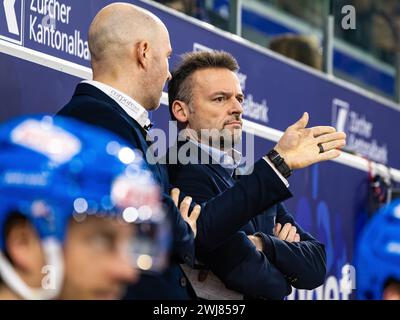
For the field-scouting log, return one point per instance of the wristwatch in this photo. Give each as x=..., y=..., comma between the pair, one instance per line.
x=279, y=163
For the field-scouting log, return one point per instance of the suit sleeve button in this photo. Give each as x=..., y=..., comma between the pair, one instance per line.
x=183, y=282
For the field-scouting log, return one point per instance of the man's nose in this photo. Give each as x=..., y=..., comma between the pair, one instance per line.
x=169, y=76
x=236, y=108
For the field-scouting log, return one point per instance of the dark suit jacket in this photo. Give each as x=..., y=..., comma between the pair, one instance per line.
x=236, y=261
x=220, y=217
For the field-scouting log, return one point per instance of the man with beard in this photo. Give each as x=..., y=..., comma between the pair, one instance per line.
x=271, y=252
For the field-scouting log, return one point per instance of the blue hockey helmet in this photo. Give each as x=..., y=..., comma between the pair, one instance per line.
x=55, y=169
x=377, y=256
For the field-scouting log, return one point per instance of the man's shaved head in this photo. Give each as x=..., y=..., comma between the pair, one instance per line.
x=130, y=48
x=116, y=27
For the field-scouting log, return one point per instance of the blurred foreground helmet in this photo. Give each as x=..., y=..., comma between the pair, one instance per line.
x=55, y=169
x=378, y=253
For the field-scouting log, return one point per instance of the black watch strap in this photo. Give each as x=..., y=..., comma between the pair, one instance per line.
x=279, y=163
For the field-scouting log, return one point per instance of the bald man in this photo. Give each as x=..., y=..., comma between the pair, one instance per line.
x=130, y=48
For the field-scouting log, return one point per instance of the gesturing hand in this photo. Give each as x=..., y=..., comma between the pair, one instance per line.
x=299, y=145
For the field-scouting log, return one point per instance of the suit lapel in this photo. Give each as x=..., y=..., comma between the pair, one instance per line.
x=216, y=168
x=222, y=173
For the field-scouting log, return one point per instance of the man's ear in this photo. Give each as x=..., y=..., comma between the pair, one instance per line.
x=142, y=52
x=180, y=110
x=24, y=249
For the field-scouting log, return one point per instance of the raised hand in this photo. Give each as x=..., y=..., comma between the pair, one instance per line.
x=299, y=146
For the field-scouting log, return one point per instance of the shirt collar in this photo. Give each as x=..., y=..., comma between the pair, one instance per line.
x=229, y=159
x=130, y=106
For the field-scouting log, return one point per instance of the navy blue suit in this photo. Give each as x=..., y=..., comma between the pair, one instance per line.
x=236, y=261
x=220, y=217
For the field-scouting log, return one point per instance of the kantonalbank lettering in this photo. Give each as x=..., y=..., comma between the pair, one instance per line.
x=48, y=26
